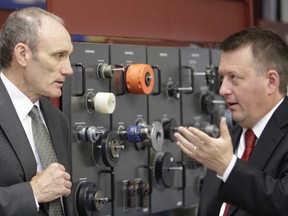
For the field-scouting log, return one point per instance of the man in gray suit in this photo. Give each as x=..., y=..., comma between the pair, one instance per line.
x=254, y=71
x=34, y=55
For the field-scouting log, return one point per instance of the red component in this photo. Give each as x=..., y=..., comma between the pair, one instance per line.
x=139, y=79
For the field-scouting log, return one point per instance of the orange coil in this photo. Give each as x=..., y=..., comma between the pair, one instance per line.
x=140, y=79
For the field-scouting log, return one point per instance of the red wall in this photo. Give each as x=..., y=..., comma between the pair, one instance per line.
x=180, y=20
x=3, y=16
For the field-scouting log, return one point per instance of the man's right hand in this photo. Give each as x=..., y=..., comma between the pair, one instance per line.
x=51, y=184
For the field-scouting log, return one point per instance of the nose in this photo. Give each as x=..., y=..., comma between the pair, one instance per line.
x=67, y=68
x=224, y=88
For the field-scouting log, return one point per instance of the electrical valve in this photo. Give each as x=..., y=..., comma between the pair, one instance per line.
x=106, y=145
x=143, y=134
x=143, y=192
x=89, y=201
x=88, y=133
x=103, y=102
x=212, y=78
x=135, y=194
x=106, y=71
x=169, y=126
x=208, y=102
x=138, y=79
x=173, y=90
x=164, y=167
x=107, y=149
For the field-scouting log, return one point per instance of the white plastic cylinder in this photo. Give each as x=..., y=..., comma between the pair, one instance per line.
x=104, y=102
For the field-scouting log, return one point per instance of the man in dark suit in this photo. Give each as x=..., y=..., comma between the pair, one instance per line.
x=34, y=55
x=254, y=68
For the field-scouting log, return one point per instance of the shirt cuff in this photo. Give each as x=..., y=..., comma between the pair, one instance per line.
x=37, y=204
x=228, y=170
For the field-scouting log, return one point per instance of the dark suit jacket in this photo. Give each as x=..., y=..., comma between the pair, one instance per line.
x=259, y=187
x=17, y=162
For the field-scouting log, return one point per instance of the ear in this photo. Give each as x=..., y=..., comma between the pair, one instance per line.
x=273, y=81
x=22, y=53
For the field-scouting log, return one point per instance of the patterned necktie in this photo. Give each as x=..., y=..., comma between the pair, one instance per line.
x=250, y=139
x=46, y=152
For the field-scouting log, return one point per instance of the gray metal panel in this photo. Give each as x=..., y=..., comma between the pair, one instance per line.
x=215, y=57
x=136, y=163
x=84, y=168
x=162, y=107
x=198, y=59
x=130, y=107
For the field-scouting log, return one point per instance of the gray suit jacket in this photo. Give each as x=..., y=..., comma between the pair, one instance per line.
x=259, y=187
x=17, y=162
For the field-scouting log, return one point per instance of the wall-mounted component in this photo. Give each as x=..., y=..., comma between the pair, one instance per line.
x=102, y=102
x=173, y=90
x=103, y=71
x=106, y=71
x=164, y=167
x=89, y=133
x=143, y=191
x=158, y=74
x=106, y=151
x=212, y=78
x=89, y=201
x=83, y=78
x=143, y=134
x=106, y=145
x=129, y=194
x=208, y=102
x=87, y=128
x=169, y=126
x=207, y=127
x=135, y=194
x=139, y=79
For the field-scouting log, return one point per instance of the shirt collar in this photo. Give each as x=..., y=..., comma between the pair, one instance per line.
x=21, y=102
x=259, y=127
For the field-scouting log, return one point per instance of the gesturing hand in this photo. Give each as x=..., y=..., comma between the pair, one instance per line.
x=213, y=153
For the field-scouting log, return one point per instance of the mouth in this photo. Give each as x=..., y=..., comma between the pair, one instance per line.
x=59, y=83
x=231, y=104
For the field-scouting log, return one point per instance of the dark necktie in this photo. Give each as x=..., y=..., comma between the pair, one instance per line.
x=250, y=139
x=46, y=152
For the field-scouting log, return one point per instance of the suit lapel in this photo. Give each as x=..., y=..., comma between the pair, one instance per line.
x=265, y=146
x=15, y=133
x=270, y=137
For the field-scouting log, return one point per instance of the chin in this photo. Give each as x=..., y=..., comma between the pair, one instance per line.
x=55, y=94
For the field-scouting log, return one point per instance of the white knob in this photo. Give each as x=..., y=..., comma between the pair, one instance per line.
x=104, y=102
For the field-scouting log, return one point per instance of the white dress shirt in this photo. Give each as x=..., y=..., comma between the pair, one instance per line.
x=23, y=105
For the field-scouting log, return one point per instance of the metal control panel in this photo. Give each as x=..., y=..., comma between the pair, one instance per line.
x=164, y=107
x=124, y=103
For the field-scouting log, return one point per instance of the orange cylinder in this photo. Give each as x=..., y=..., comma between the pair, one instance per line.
x=139, y=79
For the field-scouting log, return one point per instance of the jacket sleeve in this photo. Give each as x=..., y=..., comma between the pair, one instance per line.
x=17, y=200
x=259, y=192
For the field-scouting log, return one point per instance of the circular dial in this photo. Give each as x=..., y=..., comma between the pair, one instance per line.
x=163, y=174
